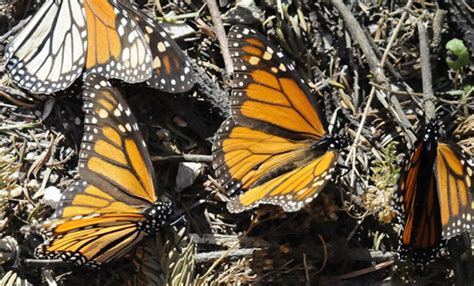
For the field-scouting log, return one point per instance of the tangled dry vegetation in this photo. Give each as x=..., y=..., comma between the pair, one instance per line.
x=348, y=235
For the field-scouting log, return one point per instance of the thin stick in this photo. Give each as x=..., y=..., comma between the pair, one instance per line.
x=220, y=34
x=306, y=272
x=356, y=31
x=438, y=22
x=325, y=260
x=395, y=34
x=19, y=126
x=232, y=255
x=15, y=29
x=353, y=150
x=219, y=260
x=184, y=158
x=430, y=110
x=396, y=92
x=47, y=262
x=381, y=65
x=361, y=271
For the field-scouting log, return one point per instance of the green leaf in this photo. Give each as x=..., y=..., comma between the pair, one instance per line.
x=457, y=54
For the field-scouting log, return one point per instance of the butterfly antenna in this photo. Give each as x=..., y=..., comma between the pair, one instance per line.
x=179, y=222
x=344, y=167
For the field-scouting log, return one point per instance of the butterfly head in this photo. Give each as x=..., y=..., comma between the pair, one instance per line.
x=432, y=131
x=338, y=141
x=331, y=142
x=157, y=215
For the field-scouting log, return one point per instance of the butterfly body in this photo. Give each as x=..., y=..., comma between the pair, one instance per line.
x=275, y=148
x=109, y=37
x=114, y=205
x=437, y=188
x=157, y=215
x=329, y=142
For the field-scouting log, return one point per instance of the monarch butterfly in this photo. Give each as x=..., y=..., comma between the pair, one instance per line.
x=437, y=187
x=109, y=37
x=275, y=148
x=114, y=205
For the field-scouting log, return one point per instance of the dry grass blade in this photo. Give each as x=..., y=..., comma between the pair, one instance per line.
x=178, y=265
x=169, y=263
x=465, y=130
x=11, y=278
x=9, y=173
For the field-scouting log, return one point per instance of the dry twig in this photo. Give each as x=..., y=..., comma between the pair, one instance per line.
x=221, y=35
x=428, y=97
x=356, y=31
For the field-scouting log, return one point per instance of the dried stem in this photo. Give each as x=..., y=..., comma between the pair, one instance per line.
x=395, y=34
x=430, y=111
x=184, y=158
x=234, y=254
x=356, y=31
x=221, y=35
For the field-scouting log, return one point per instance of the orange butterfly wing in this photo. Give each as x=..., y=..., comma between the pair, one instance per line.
x=422, y=228
x=113, y=153
x=268, y=93
x=90, y=227
x=116, y=48
x=454, y=181
x=172, y=71
x=269, y=148
x=437, y=189
x=113, y=206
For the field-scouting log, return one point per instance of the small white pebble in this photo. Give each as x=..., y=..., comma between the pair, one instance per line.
x=52, y=196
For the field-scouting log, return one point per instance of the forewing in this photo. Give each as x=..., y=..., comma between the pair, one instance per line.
x=113, y=154
x=267, y=92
